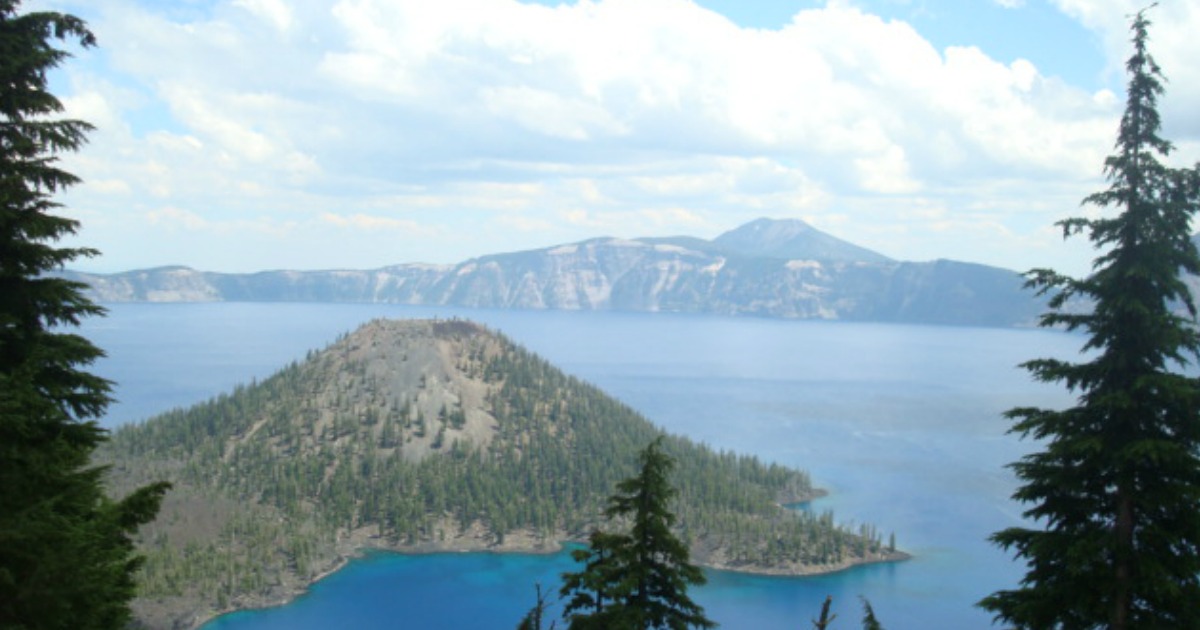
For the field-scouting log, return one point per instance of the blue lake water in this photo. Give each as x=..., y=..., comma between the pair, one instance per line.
x=902, y=424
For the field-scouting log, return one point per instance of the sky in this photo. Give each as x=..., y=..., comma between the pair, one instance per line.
x=247, y=135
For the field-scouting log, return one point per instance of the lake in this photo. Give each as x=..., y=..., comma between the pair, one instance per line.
x=902, y=424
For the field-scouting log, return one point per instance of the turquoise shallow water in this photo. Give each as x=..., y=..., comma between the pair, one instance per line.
x=482, y=591
x=901, y=423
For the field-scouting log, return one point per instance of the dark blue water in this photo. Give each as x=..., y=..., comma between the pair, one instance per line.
x=901, y=423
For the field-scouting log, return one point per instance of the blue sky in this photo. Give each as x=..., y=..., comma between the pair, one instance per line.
x=241, y=135
x=1038, y=31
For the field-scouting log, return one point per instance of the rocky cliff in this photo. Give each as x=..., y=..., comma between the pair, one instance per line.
x=765, y=268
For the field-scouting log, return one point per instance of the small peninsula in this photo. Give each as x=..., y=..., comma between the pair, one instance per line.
x=424, y=436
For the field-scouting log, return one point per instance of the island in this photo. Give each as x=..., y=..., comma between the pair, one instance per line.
x=423, y=436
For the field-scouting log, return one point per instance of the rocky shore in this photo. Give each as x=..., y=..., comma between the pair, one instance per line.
x=187, y=614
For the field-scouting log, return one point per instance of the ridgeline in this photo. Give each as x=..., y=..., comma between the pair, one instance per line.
x=424, y=436
x=765, y=268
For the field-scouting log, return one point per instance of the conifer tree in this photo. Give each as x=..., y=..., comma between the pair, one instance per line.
x=1115, y=492
x=66, y=556
x=639, y=579
x=870, y=621
x=594, y=589
x=533, y=619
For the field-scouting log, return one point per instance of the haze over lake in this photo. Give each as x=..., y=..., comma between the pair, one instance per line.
x=902, y=424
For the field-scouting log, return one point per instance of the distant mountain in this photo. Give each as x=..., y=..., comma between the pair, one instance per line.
x=423, y=436
x=793, y=240
x=765, y=268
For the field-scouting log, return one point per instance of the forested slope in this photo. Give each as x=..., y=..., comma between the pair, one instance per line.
x=424, y=435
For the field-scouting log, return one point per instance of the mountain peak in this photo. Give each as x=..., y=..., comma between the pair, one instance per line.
x=793, y=239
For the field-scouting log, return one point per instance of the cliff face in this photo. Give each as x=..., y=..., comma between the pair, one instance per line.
x=766, y=268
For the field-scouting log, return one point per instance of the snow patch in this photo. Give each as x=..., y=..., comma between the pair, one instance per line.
x=671, y=249
x=421, y=267
x=794, y=265
x=621, y=242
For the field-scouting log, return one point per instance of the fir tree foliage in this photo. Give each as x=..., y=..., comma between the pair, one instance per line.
x=637, y=579
x=1115, y=491
x=870, y=621
x=826, y=618
x=593, y=589
x=66, y=556
x=533, y=619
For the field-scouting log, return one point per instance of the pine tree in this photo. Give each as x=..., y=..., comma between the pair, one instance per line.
x=638, y=579
x=66, y=557
x=822, y=622
x=594, y=589
x=870, y=621
x=533, y=619
x=1117, y=486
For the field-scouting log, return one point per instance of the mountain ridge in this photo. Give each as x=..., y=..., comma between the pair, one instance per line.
x=767, y=268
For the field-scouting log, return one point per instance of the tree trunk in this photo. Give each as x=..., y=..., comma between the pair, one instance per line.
x=1123, y=560
x=826, y=619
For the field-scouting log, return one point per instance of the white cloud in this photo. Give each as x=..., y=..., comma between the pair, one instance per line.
x=108, y=186
x=190, y=106
x=549, y=114
x=525, y=224
x=92, y=106
x=361, y=221
x=1172, y=42
x=509, y=125
x=274, y=12
x=886, y=172
x=176, y=217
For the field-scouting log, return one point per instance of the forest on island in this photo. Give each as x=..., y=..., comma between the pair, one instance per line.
x=287, y=467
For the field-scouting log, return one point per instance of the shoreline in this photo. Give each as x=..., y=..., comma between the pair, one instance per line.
x=473, y=540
